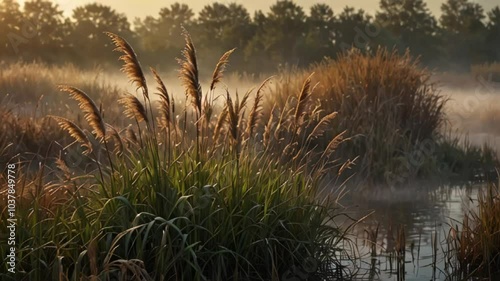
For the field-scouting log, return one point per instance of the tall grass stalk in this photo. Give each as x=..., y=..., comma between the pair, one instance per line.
x=474, y=246
x=157, y=212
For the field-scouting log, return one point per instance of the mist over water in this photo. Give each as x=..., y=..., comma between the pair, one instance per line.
x=474, y=112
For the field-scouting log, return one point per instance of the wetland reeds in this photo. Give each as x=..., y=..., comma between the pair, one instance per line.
x=164, y=209
x=474, y=246
x=384, y=100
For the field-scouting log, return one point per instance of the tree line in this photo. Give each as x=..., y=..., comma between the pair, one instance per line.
x=465, y=34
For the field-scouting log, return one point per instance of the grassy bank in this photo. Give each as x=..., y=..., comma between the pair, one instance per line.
x=216, y=185
x=394, y=114
x=390, y=108
x=29, y=94
x=186, y=193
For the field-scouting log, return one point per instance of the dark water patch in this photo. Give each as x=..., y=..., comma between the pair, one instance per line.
x=403, y=236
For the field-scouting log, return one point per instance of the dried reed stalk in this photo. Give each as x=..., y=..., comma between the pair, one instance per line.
x=323, y=125
x=254, y=116
x=267, y=129
x=304, y=95
x=219, y=69
x=117, y=140
x=220, y=123
x=164, y=102
x=134, y=108
x=131, y=65
x=189, y=72
x=74, y=131
x=232, y=119
x=131, y=136
x=87, y=105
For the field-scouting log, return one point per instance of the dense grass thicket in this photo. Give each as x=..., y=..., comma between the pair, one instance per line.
x=199, y=197
x=474, y=246
x=29, y=94
x=217, y=185
x=490, y=71
x=394, y=116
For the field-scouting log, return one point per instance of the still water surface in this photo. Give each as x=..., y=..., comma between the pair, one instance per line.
x=423, y=211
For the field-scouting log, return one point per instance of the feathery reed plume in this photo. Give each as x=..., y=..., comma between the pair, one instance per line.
x=322, y=126
x=219, y=68
x=173, y=107
x=254, y=115
x=189, y=72
x=334, y=143
x=304, y=95
x=61, y=165
x=347, y=165
x=131, y=136
x=131, y=65
x=164, y=102
x=232, y=117
x=87, y=105
x=134, y=108
x=207, y=109
x=117, y=139
x=74, y=131
x=220, y=123
x=267, y=129
x=241, y=104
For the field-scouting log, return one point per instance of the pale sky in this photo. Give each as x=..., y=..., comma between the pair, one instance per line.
x=142, y=8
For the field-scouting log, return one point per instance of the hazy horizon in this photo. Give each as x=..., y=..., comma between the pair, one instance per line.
x=134, y=8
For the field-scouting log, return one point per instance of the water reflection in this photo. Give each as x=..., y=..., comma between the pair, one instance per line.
x=423, y=211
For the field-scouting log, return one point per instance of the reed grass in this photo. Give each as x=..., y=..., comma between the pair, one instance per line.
x=389, y=106
x=166, y=205
x=474, y=246
x=488, y=71
x=29, y=93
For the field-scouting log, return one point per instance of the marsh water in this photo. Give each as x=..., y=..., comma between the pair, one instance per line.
x=423, y=211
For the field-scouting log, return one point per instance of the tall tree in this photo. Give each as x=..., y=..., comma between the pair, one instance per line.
x=320, y=38
x=284, y=32
x=464, y=32
x=13, y=34
x=410, y=24
x=161, y=37
x=89, y=24
x=46, y=20
x=493, y=34
x=461, y=16
x=354, y=29
x=170, y=23
x=256, y=59
x=222, y=27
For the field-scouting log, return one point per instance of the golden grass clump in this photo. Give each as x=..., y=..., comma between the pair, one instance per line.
x=218, y=205
x=384, y=100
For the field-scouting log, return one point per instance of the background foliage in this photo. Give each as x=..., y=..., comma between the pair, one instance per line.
x=463, y=35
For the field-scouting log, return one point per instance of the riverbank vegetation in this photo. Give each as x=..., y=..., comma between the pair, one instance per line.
x=213, y=184
x=197, y=197
x=474, y=244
